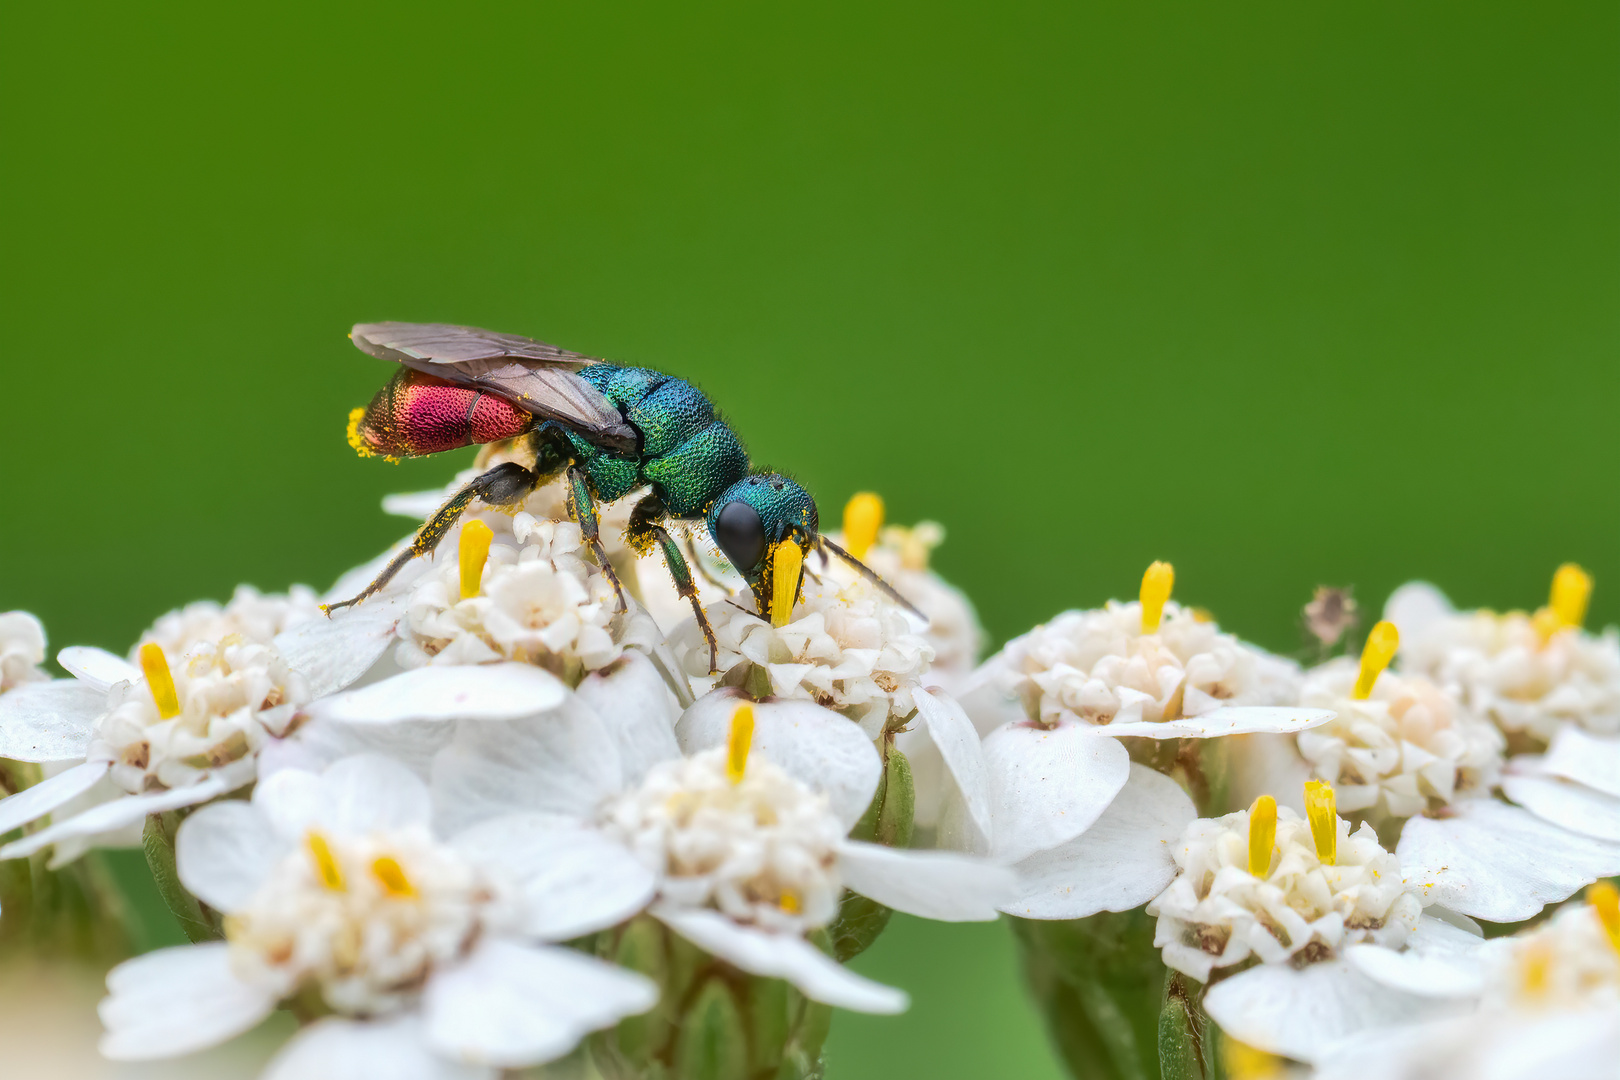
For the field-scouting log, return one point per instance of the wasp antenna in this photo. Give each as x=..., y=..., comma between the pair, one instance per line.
x=870, y=575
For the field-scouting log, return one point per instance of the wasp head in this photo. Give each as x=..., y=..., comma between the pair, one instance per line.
x=766, y=524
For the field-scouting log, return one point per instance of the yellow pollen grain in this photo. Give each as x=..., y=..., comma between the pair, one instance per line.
x=1156, y=585
x=1571, y=590
x=787, y=560
x=1262, y=835
x=1321, y=809
x=863, y=518
x=475, y=540
x=1605, y=900
x=159, y=681
x=1375, y=657
x=355, y=439
x=326, y=864
x=391, y=876
x=739, y=742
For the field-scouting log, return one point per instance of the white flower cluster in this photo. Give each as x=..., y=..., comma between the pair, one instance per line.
x=22, y=650
x=249, y=616
x=1300, y=910
x=1571, y=961
x=540, y=603
x=1406, y=749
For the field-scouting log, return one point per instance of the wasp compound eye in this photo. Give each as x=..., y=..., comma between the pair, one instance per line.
x=741, y=535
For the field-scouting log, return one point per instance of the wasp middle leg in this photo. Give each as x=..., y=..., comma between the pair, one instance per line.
x=646, y=529
x=583, y=505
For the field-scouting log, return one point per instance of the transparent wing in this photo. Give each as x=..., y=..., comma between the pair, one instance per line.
x=533, y=375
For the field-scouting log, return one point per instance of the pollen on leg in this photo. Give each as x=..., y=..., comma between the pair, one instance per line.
x=356, y=440
x=474, y=551
x=159, y=680
x=1382, y=642
x=1262, y=835
x=1156, y=585
x=863, y=519
x=326, y=864
x=1321, y=809
x=739, y=742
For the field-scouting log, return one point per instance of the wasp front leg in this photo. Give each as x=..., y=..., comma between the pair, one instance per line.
x=644, y=531
x=583, y=506
x=503, y=485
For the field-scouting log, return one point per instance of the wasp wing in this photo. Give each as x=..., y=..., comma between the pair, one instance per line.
x=533, y=375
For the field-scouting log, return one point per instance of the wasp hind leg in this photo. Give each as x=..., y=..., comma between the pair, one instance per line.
x=503, y=485
x=646, y=530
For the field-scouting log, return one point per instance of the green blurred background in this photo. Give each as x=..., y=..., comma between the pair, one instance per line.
x=1287, y=294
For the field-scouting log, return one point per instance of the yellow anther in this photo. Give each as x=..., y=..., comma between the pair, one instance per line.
x=1262, y=835
x=475, y=538
x=1156, y=586
x=1244, y=1062
x=1321, y=809
x=1535, y=964
x=1375, y=657
x=863, y=517
x=1571, y=589
x=159, y=681
x=787, y=560
x=1606, y=902
x=739, y=742
x=326, y=864
x=391, y=876
x=789, y=902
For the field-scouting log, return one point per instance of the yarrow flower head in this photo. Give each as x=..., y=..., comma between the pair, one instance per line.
x=250, y=616
x=1530, y=674
x=1402, y=746
x=335, y=887
x=22, y=650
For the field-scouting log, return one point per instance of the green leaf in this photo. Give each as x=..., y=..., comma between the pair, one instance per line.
x=712, y=1044
x=199, y=922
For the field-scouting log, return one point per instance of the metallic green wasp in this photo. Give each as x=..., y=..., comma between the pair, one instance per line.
x=609, y=430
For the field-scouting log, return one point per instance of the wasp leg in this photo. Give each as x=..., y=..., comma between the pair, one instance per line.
x=689, y=548
x=506, y=483
x=583, y=505
x=643, y=532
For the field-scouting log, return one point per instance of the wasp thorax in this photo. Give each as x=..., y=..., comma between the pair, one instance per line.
x=418, y=414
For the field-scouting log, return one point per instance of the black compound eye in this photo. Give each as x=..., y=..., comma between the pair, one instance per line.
x=740, y=534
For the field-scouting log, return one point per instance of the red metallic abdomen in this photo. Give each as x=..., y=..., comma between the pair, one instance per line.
x=418, y=414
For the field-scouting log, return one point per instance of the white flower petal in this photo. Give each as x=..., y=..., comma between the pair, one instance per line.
x=1416, y=607
x=1439, y=960
x=1299, y=1013
x=1498, y=862
x=782, y=956
x=1573, y=806
x=334, y=652
x=814, y=745
x=289, y=801
x=933, y=884
x=562, y=762
x=953, y=733
x=97, y=668
x=513, y=1005
x=49, y=721
x=370, y=793
x=116, y=814
x=574, y=879
x=318, y=743
x=1121, y=862
x=983, y=700
x=33, y=803
x=175, y=1001
x=639, y=711
x=1048, y=785
x=1234, y=720
x=224, y=851
x=1592, y=760
x=394, y=1048
x=505, y=691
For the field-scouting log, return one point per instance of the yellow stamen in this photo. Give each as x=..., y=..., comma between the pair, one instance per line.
x=1571, y=589
x=1605, y=900
x=1375, y=657
x=1321, y=809
x=863, y=517
x=739, y=742
x=789, y=902
x=159, y=681
x=1244, y=1062
x=1262, y=835
x=391, y=876
x=326, y=864
x=787, y=559
x=475, y=538
x=1156, y=585
x=1535, y=962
